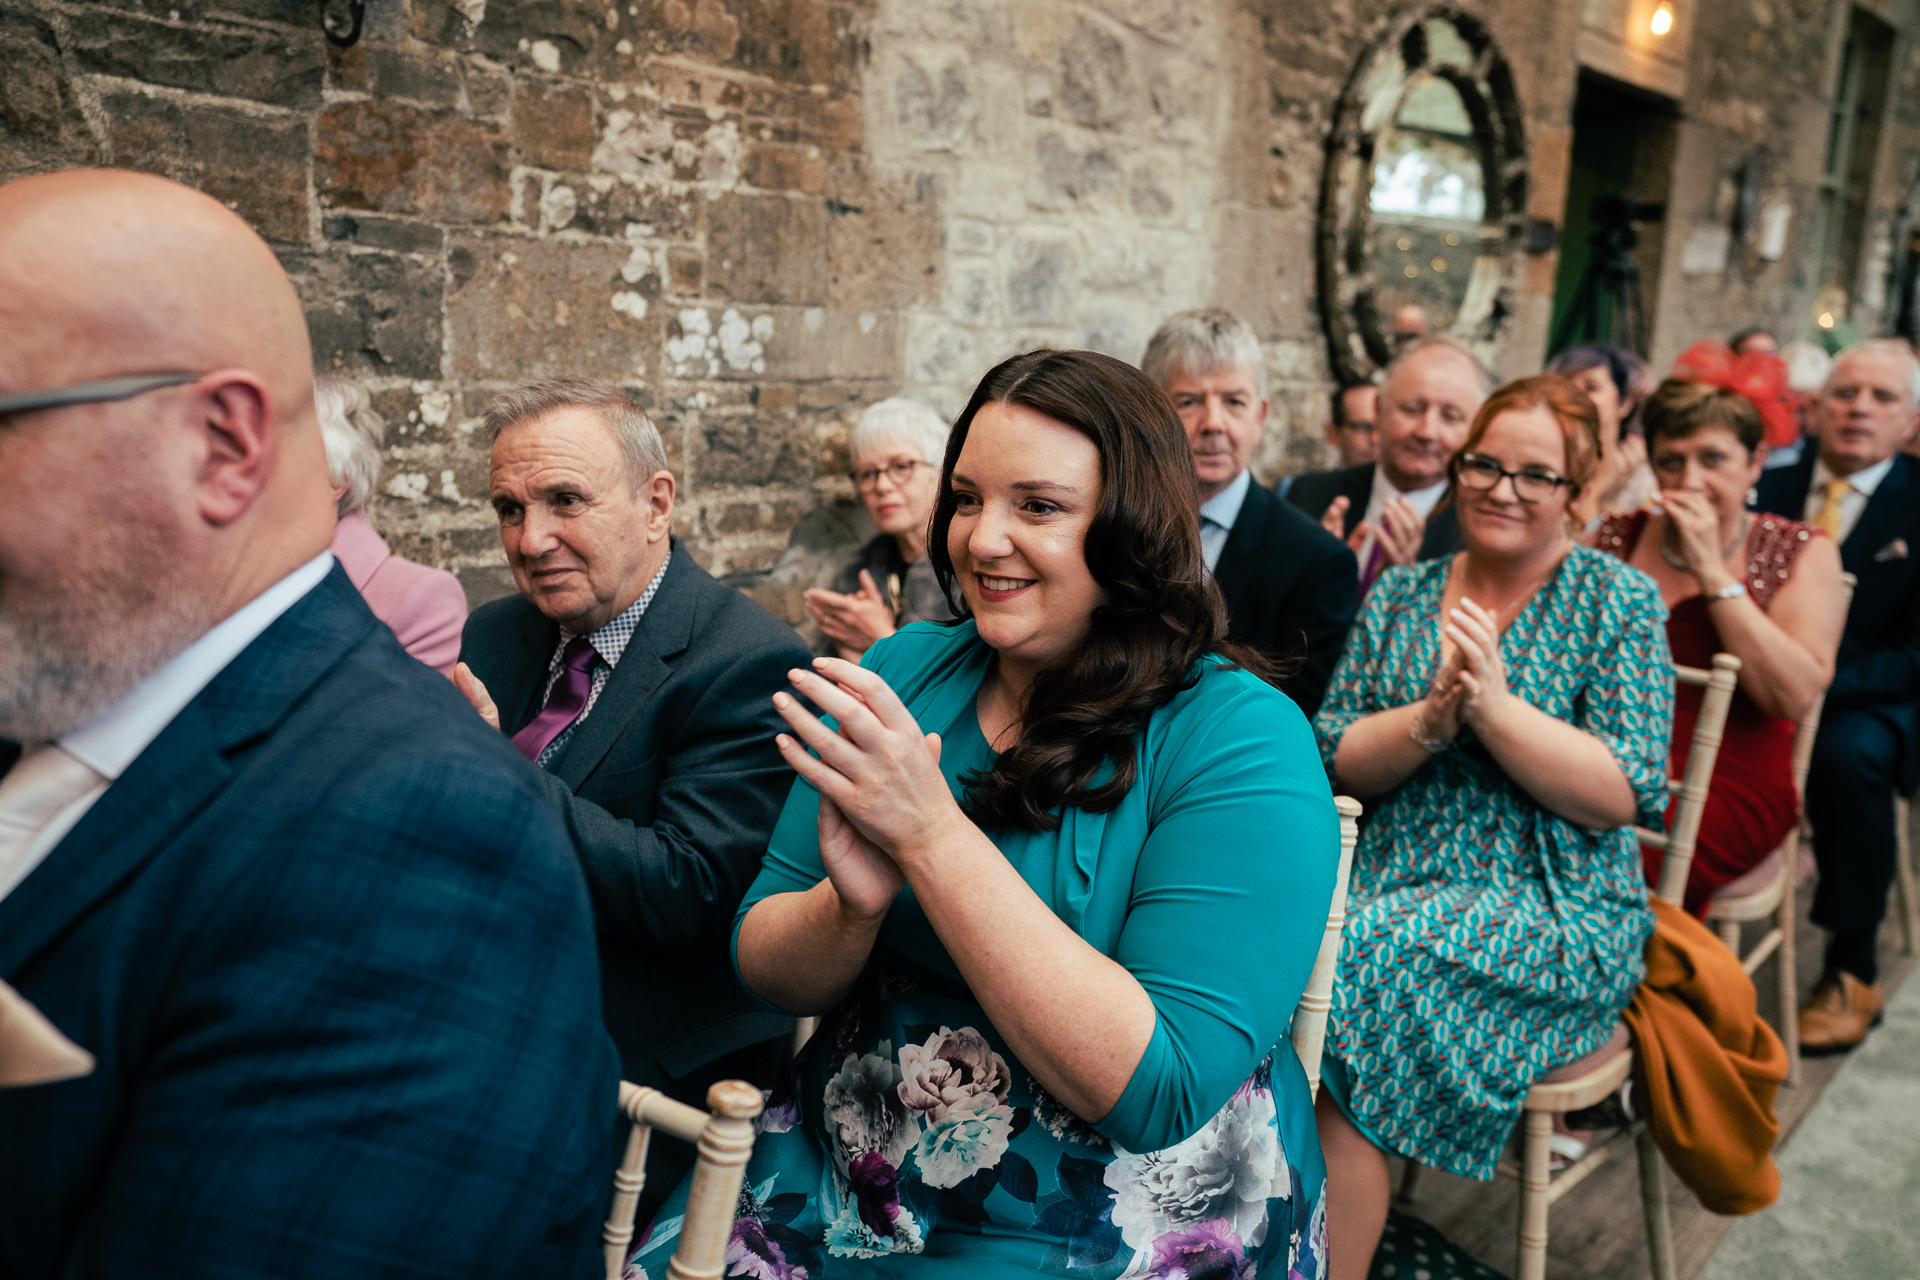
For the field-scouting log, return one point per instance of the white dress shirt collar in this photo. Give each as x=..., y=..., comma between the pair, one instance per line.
x=1863, y=482
x=1217, y=515
x=1853, y=499
x=1223, y=508
x=1423, y=500
x=114, y=739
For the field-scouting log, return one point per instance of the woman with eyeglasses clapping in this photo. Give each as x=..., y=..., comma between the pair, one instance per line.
x=896, y=452
x=1503, y=713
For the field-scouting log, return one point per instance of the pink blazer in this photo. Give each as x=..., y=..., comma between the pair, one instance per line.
x=427, y=608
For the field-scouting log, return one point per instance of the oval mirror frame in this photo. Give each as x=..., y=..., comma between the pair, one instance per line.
x=1357, y=341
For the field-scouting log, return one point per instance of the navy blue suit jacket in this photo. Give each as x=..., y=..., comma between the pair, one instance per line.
x=334, y=957
x=1291, y=590
x=670, y=789
x=1879, y=661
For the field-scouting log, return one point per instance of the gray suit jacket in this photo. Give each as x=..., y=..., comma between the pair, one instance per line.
x=670, y=789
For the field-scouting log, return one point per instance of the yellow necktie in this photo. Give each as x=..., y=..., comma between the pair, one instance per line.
x=1827, y=519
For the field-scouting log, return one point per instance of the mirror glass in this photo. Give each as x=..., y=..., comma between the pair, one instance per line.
x=1428, y=202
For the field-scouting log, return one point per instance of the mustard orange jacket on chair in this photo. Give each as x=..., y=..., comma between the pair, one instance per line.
x=1709, y=1066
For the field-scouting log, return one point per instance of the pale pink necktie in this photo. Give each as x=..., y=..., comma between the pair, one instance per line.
x=42, y=782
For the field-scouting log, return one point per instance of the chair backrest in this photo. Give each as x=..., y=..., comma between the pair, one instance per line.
x=1707, y=732
x=1810, y=723
x=723, y=1139
x=1310, y=1015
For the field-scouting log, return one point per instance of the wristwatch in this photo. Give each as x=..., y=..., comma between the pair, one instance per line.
x=1733, y=590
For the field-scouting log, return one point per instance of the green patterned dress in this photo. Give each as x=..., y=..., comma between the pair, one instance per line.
x=1488, y=940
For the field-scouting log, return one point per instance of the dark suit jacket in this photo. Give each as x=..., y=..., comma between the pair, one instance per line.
x=1879, y=661
x=1291, y=589
x=670, y=788
x=331, y=951
x=1315, y=491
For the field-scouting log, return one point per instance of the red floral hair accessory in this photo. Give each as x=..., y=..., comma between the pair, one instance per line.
x=1760, y=376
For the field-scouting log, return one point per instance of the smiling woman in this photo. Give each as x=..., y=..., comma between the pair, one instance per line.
x=1054, y=874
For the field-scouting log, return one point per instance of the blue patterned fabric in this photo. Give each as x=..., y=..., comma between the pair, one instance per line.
x=910, y=1141
x=1488, y=940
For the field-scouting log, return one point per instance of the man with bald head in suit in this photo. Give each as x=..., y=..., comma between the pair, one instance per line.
x=325, y=943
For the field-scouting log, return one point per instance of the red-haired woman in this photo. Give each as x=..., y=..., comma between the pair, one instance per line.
x=1504, y=713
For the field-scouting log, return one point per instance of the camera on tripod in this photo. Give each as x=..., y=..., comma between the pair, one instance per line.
x=1606, y=306
x=1616, y=212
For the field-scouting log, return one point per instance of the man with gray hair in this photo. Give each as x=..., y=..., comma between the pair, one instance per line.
x=644, y=691
x=1289, y=586
x=1856, y=486
x=1385, y=509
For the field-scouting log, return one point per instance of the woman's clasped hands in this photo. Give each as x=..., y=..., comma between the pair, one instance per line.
x=1472, y=684
x=883, y=800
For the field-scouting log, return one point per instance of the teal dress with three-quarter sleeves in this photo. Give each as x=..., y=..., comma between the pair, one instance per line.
x=1489, y=940
x=910, y=1141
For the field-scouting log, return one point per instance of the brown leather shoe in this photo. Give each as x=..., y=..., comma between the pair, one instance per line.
x=1838, y=1016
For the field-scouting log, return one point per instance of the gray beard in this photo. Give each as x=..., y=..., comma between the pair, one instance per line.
x=71, y=655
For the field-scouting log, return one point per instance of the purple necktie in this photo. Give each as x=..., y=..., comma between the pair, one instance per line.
x=1373, y=568
x=564, y=703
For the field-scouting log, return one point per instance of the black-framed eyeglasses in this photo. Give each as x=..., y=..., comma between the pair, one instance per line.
x=1478, y=472
x=103, y=392
x=899, y=471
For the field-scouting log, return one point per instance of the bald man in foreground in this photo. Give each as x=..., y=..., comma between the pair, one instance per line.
x=328, y=947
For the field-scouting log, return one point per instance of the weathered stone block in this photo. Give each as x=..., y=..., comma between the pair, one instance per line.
x=395, y=235
x=784, y=168
x=370, y=314
x=777, y=515
x=938, y=351
x=397, y=158
x=767, y=249
x=40, y=124
x=257, y=168
x=886, y=252
x=285, y=13
x=607, y=206
x=932, y=107
x=750, y=343
x=1096, y=82
x=552, y=124
x=284, y=69
x=1069, y=177
x=538, y=308
x=434, y=79
x=747, y=448
x=1039, y=279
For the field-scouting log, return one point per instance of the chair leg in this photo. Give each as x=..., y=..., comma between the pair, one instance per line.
x=1786, y=972
x=1653, y=1198
x=1903, y=891
x=1534, y=1181
x=1729, y=931
x=1409, y=1181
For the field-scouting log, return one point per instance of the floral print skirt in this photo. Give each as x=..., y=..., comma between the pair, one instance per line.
x=907, y=1141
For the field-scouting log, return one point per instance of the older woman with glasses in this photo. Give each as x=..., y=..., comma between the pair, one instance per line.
x=1504, y=714
x=896, y=453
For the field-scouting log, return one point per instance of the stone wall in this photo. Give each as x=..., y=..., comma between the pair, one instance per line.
x=765, y=214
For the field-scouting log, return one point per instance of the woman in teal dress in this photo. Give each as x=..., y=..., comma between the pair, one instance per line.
x=1055, y=877
x=1504, y=714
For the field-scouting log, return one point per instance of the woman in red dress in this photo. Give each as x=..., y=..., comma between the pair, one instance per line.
x=1763, y=588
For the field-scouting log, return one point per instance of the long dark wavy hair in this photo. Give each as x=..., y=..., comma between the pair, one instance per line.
x=1163, y=613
